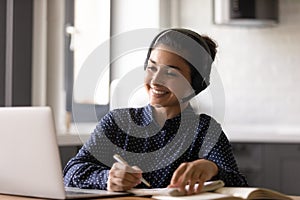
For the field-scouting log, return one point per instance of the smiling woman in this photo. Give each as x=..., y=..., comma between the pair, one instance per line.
x=171, y=144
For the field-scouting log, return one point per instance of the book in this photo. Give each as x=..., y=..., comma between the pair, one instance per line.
x=234, y=193
x=253, y=193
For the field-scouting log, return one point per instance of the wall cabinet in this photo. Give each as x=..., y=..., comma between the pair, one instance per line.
x=283, y=160
x=270, y=165
x=67, y=152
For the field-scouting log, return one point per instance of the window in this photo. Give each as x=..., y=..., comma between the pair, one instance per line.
x=87, y=27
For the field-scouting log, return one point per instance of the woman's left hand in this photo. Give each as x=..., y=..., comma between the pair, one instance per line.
x=190, y=173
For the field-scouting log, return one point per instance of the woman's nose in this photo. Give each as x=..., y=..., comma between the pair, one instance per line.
x=158, y=78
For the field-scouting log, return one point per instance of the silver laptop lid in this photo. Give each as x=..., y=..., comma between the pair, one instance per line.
x=30, y=162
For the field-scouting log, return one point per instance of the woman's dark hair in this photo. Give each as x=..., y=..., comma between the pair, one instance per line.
x=198, y=51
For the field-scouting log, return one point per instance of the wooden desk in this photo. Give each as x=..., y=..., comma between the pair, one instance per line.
x=10, y=197
x=295, y=197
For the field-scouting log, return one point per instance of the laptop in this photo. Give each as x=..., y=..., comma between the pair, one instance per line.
x=29, y=156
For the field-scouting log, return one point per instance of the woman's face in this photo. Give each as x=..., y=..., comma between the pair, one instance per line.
x=167, y=79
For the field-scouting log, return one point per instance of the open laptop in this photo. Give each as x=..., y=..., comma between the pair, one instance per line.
x=29, y=156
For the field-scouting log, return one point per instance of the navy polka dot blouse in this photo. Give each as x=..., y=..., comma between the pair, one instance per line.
x=158, y=151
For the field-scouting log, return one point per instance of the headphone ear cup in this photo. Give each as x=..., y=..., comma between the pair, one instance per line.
x=198, y=82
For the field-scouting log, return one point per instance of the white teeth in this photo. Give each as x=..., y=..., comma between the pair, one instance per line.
x=158, y=92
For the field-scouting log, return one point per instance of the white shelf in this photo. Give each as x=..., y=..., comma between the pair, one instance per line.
x=263, y=134
x=69, y=139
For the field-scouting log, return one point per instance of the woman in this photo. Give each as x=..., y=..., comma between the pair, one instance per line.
x=172, y=145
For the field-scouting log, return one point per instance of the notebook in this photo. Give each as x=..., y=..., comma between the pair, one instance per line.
x=30, y=160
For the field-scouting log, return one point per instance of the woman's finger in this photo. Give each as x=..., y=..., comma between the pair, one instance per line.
x=121, y=177
x=192, y=181
x=178, y=174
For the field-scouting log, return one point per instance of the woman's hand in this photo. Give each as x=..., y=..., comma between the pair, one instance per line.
x=122, y=178
x=191, y=173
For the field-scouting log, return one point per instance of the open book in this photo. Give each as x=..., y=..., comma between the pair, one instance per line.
x=214, y=190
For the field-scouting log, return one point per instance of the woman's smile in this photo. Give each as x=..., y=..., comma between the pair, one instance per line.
x=158, y=92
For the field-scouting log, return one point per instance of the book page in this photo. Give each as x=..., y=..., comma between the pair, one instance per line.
x=252, y=193
x=201, y=196
x=236, y=191
x=267, y=193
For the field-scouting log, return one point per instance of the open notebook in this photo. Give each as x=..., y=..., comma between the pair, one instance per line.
x=208, y=186
x=30, y=161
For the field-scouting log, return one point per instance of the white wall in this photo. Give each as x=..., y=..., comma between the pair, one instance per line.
x=259, y=67
x=134, y=23
x=128, y=15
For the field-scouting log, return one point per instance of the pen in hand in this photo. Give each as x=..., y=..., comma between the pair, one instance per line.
x=122, y=161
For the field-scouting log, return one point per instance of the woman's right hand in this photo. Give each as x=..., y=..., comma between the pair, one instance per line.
x=122, y=178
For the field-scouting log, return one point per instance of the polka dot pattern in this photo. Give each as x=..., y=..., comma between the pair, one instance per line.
x=135, y=135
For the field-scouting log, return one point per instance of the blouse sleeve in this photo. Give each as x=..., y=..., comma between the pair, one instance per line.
x=86, y=169
x=217, y=148
x=222, y=155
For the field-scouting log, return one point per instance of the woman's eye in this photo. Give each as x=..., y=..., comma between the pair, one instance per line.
x=171, y=73
x=151, y=68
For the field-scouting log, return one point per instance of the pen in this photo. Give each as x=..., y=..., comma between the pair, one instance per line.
x=122, y=161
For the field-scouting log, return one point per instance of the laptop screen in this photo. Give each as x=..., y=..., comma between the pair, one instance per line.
x=30, y=162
